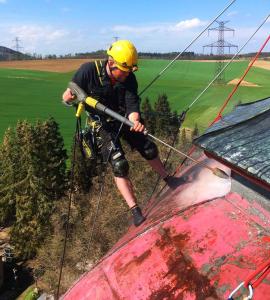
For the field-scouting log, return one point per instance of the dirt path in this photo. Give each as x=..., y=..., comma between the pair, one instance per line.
x=262, y=64
x=51, y=65
x=243, y=83
x=68, y=65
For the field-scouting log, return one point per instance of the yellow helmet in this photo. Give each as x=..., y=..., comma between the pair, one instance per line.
x=124, y=55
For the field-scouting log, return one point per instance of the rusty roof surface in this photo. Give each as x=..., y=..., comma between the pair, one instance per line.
x=199, y=242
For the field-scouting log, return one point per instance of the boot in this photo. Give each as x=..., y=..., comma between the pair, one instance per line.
x=138, y=218
x=172, y=182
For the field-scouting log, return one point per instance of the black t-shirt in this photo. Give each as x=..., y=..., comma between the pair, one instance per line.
x=121, y=97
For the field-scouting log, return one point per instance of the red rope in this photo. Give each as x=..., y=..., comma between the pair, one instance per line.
x=219, y=116
x=239, y=82
x=258, y=276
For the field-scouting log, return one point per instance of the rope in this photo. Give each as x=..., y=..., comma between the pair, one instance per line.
x=218, y=117
x=78, y=127
x=69, y=207
x=253, y=280
x=192, y=149
x=258, y=276
x=229, y=62
x=102, y=184
x=181, y=120
x=179, y=54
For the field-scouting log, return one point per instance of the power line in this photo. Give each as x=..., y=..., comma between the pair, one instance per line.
x=220, y=44
x=17, y=46
x=192, y=42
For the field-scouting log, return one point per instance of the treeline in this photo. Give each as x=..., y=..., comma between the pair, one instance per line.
x=101, y=54
x=9, y=54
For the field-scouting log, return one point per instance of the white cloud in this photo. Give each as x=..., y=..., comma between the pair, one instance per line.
x=37, y=38
x=160, y=28
x=34, y=33
x=189, y=24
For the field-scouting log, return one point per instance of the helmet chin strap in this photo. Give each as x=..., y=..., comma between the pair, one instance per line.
x=110, y=69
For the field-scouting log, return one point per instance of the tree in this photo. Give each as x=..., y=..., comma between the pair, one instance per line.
x=162, y=108
x=149, y=116
x=40, y=167
x=8, y=176
x=183, y=137
x=51, y=157
x=174, y=125
x=195, y=131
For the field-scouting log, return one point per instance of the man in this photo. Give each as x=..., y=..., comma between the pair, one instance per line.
x=114, y=84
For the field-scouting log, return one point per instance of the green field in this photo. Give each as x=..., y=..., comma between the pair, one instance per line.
x=36, y=95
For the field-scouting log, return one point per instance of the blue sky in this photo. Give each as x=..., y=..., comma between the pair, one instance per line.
x=61, y=27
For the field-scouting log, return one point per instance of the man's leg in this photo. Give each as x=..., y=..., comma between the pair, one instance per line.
x=149, y=151
x=124, y=185
x=126, y=189
x=111, y=151
x=158, y=166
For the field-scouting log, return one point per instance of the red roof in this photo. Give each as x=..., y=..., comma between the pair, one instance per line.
x=198, y=242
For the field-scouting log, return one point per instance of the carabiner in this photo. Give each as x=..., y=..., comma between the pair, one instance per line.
x=250, y=296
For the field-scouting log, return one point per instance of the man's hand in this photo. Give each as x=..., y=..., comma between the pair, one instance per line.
x=135, y=118
x=138, y=127
x=68, y=97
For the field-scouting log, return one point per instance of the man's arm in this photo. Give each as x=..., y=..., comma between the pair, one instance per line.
x=81, y=78
x=133, y=103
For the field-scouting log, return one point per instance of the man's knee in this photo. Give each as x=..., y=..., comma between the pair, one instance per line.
x=150, y=151
x=120, y=166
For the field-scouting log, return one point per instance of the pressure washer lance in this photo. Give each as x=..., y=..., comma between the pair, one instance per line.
x=83, y=98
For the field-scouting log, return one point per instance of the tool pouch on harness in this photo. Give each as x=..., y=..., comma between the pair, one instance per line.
x=88, y=144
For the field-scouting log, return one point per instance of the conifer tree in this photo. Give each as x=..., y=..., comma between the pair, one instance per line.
x=149, y=116
x=162, y=108
x=183, y=137
x=195, y=131
x=174, y=125
x=51, y=157
x=8, y=174
x=40, y=166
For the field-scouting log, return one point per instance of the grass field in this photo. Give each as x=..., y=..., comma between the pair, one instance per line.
x=32, y=95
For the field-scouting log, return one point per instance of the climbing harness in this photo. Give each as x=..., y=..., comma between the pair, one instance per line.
x=98, y=66
x=253, y=280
